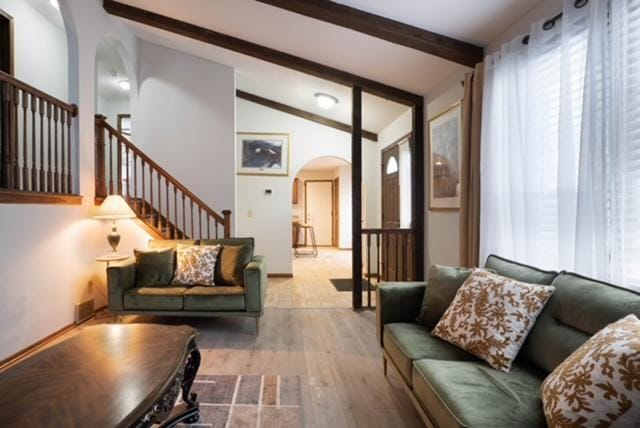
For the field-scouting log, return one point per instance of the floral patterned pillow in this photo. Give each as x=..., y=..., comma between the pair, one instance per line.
x=491, y=316
x=196, y=264
x=599, y=384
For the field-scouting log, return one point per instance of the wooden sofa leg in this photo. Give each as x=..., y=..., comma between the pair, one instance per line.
x=384, y=366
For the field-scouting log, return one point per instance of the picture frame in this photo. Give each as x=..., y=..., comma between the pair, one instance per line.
x=445, y=134
x=262, y=153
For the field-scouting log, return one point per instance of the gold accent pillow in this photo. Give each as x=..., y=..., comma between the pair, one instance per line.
x=195, y=264
x=599, y=384
x=491, y=316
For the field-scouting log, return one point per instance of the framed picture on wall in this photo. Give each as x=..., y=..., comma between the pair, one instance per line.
x=262, y=153
x=124, y=124
x=445, y=132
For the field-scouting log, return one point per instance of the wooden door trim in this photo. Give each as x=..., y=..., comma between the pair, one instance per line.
x=332, y=207
x=335, y=210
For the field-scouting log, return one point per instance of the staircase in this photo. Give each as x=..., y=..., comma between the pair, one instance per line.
x=165, y=207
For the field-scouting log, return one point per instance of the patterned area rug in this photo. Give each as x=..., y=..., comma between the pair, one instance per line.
x=248, y=401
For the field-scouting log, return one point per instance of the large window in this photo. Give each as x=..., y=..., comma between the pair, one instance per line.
x=561, y=144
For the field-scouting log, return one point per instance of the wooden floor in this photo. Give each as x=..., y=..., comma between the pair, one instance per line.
x=309, y=330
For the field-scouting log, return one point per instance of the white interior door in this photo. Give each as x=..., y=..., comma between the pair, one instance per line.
x=319, y=210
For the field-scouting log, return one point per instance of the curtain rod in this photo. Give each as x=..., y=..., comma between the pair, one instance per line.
x=550, y=23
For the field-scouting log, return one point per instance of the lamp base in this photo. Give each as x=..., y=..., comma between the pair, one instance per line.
x=113, y=237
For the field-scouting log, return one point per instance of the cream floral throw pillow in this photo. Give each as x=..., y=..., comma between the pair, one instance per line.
x=599, y=384
x=196, y=264
x=491, y=316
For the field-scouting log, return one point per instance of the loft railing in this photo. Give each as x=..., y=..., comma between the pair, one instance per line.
x=162, y=202
x=388, y=256
x=36, y=142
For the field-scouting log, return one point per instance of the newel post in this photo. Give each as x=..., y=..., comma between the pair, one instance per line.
x=227, y=223
x=101, y=186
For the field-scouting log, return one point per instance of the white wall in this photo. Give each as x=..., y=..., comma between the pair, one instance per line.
x=40, y=49
x=185, y=120
x=270, y=222
x=48, y=252
x=112, y=108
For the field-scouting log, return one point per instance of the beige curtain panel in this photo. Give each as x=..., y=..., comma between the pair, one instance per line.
x=470, y=168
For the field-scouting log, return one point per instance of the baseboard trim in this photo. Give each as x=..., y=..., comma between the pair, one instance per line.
x=35, y=347
x=280, y=275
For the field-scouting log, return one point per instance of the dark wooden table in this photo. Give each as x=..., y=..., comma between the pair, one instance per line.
x=105, y=376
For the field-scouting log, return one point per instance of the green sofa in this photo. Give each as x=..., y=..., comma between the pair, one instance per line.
x=247, y=300
x=451, y=388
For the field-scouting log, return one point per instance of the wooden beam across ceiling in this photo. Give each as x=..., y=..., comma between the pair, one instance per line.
x=384, y=28
x=255, y=50
x=322, y=120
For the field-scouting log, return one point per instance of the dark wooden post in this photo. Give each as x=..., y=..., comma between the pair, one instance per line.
x=356, y=194
x=5, y=100
x=101, y=185
x=417, y=188
x=227, y=223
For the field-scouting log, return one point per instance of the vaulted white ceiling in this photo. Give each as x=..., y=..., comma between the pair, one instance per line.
x=469, y=20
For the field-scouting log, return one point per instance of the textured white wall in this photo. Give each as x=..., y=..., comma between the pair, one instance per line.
x=185, y=120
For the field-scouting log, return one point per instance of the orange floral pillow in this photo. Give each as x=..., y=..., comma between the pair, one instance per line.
x=491, y=316
x=196, y=264
x=599, y=384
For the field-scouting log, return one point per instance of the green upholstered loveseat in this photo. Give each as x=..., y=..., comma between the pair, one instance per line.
x=451, y=388
x=246, y=300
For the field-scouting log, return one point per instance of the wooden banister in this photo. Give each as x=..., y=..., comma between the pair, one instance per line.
x=36, y=143
x=159, y=205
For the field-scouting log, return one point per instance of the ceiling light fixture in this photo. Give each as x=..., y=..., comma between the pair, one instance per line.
x=326, y=101
x=55, y=4
x=125, y=85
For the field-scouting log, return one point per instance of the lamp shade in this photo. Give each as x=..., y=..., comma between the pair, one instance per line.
x=114, y=207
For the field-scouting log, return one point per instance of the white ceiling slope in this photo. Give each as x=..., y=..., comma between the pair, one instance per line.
x=328, y=44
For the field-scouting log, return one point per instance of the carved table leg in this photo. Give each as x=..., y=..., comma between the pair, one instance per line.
x=190, y=371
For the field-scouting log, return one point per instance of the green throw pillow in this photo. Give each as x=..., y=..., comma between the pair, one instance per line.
x=154, y=267
x=231, y=263
x=442, y=286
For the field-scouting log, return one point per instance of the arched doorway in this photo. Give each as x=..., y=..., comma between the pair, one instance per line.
x=114, y=86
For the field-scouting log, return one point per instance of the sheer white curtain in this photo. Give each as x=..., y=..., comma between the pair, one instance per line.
x=559, y=118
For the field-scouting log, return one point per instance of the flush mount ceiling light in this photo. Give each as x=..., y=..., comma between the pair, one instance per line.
x=55, y=4
x=326, y=101
x=125, y=85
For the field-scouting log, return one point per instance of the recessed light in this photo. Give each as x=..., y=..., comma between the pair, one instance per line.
x=125, y=85
x=55, y=4
x=326, y=101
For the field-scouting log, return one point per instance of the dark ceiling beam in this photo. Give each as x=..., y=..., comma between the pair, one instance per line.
x=258, y=51
x=302, y=113
x=385, y=29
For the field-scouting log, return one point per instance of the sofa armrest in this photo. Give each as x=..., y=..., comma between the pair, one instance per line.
x=255, y=282
x=120, y=278
x=397, y=302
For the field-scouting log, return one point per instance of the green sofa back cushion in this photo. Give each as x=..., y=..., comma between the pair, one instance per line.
x=518, y=271
x=154, y=267
x=442, y=286
x=231, y=263
x=578, y=309
x=230, y=241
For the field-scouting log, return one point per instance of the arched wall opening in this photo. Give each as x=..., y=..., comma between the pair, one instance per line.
x=321, y=198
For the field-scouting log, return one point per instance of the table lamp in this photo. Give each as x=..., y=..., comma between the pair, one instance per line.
x=114, y=207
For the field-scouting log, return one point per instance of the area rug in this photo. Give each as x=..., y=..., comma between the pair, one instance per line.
x=248, y=401
x=346, y=284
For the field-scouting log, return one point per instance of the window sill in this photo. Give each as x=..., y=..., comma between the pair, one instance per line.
x=20, y=197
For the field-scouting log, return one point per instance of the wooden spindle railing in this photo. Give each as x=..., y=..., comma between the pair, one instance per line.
x=36, y=142
x=122, y=168
x=389, y=256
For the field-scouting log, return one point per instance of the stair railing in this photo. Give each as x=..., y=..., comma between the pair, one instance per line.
x=161, y=201
x=36, y=142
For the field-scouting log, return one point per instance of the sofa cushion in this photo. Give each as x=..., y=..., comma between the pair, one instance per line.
x=407, y=342
x=470, y=394
x=444, y=282
x=519, y=271
x=578, y=309
x=154, y=298
x=154, y=266
x=231, y=263
x=196, y=264
x=219, y=298
x=249, y=242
